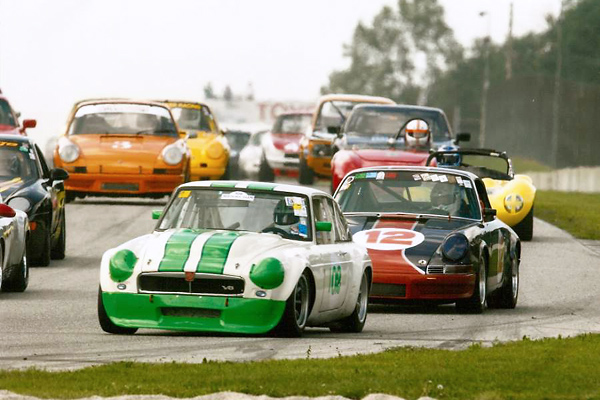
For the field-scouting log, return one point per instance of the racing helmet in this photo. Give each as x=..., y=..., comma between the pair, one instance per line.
x=449, y=159
x=446, y=196
x=284, y=214
x=417, y=133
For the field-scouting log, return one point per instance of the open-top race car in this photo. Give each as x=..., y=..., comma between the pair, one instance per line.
x=512, y=196
x=242, y=257
x=432, y=236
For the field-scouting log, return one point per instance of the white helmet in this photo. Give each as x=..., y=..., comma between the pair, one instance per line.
x=416, y=133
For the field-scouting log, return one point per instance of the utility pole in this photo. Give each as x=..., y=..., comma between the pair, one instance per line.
x=557, y=88
x=486, y=83
x=509, y=48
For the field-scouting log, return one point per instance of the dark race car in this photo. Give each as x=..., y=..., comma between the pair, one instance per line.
x=432, y=236
x=27, y=184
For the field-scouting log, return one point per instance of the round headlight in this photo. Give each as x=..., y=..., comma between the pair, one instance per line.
x=121, y=265
x=67, y=150
x=214, y=150
x=513, y=203
x=267, y=274
x=20, y=203
x=455, y=247
x=172, y=154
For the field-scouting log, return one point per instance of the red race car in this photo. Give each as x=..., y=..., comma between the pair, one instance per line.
x=9, y=119
x=389, y=135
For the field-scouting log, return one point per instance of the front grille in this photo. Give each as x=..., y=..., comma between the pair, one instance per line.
x=450, y=269
x=159, y=171
x=131, y=187
x=80, y=170
x=190, y=312
x=203, y=284
x=386, y=289
x=292, y=155
x=435, y=269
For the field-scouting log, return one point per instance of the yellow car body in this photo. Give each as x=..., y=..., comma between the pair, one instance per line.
x=208, y=146
x=512, y=199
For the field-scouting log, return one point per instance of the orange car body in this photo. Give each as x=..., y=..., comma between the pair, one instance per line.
x=108, y=151
x=315, y=146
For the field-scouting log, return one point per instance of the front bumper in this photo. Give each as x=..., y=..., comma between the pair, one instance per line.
x=193, y=313
x=320, y=165
x=203, y=171
x=284, y=162
x=423, y=287
x=135, y=184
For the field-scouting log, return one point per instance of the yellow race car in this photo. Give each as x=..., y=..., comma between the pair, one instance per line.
x=513, y=196
x=209, y=148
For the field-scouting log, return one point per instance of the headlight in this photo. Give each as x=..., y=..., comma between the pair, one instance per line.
x=20, y=203
x=121, y=265
x=214, y=150
x=67, y=150
x=455, y=247
x=267, y=274
x=513, y=203
x=173, y=153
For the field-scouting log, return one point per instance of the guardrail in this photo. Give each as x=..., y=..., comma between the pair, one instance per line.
x=580, y=179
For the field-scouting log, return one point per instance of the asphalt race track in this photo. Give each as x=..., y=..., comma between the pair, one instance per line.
x=54, y=325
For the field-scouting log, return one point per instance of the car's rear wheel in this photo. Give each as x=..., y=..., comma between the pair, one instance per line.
x=297, y=308
x=58, y=251
x=306, y=175
x=508, y=294
x=19, y=277
x=355, y=322
x=106, y=324
x=477, y=302
x=525, y=228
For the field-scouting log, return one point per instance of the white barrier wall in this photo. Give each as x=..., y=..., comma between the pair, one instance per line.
x=581, y=179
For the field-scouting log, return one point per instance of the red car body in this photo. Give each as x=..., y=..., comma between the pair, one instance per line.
x=282, y=144
x=9, y=120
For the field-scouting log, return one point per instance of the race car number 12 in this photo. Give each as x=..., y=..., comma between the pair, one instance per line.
x=389, y=238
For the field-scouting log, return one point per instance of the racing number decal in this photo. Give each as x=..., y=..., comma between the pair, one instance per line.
x=335, y=283
x=389, y=238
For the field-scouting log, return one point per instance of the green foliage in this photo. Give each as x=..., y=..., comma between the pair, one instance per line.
x=543, y=369
x=577, y=213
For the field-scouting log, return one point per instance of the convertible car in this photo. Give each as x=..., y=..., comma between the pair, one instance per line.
x=27, y=184
x=315, y=149
x=379, y=135
x=242, y=257
x=513, y=196
x=432, y=236
x=14, y=229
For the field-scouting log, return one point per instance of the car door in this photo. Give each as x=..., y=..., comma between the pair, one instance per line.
x=495, y=239
x=55, y=189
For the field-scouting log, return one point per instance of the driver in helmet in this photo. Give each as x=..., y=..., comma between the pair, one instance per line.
x=417, y=134
x=445, y=197
x=284, y=219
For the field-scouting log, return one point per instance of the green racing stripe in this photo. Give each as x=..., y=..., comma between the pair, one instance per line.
x=215, y=252
x=177, y=250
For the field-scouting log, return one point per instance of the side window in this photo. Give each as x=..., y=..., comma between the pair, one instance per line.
x=323, y=212
x=42, y=161
x=342, y=232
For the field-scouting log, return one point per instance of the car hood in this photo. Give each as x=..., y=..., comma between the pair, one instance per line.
x=10, y=187
x=402, y=244
x=10, y=130
x=207, y=251
x=395, y=157
x=288, y=142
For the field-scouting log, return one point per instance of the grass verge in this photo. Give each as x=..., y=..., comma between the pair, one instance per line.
x=545, y=369
x=577, y=213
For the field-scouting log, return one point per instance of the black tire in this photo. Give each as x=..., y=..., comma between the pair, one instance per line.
x=19, y=277
x=106, y=324
x=477, y=302
x=43, y=256
x=265, y=172
x=524, y=229
x=58, y=251
x=306, y=176
x=508, y=295
x=69, y=197
x=355, y=322
x=297, y=309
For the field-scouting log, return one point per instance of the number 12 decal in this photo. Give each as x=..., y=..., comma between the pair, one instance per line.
x=389, y=238
x=335, y=282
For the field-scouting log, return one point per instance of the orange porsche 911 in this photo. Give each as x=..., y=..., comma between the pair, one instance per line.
x=122, y=148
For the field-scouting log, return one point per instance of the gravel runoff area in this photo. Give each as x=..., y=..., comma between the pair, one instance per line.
x=6, y=395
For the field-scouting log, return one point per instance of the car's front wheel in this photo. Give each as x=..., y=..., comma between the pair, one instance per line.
x=58, y=251
x=306, y=176
x=297, y=308
x=477, y=302
x=355, y=322
x=524, y=229
x=106, y=324
x=508, y=294
x=265, y=172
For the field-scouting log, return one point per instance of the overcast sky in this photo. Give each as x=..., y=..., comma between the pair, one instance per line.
x=55, y=52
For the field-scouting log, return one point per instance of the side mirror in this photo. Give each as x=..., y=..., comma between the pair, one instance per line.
x=58, y=174
x=334, y=129
x=29, y=123
x=223, y=131
x=489, y=214
x=6, y=211
x=156, y=214
x=324, y=226
x=462, y=137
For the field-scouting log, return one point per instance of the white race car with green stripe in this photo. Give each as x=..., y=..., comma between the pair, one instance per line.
x=243, y=257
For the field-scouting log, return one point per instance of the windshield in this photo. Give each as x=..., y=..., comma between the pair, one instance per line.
x=239, y=210
x=6, y=116
x=194, y=117
x=292, y=123
x=237, y=139
x=486, y=166
x=17, y=162
x=123, y=119
x=370, y=127
x=331, y=113
x=409, y=192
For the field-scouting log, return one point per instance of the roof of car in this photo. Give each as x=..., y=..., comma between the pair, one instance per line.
x=266, y=186
x=356, y=97
x=171, y=101
x=397, y=107
x=15, y=138
x=418, y=169
x=295, y=113
x=118, y=101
